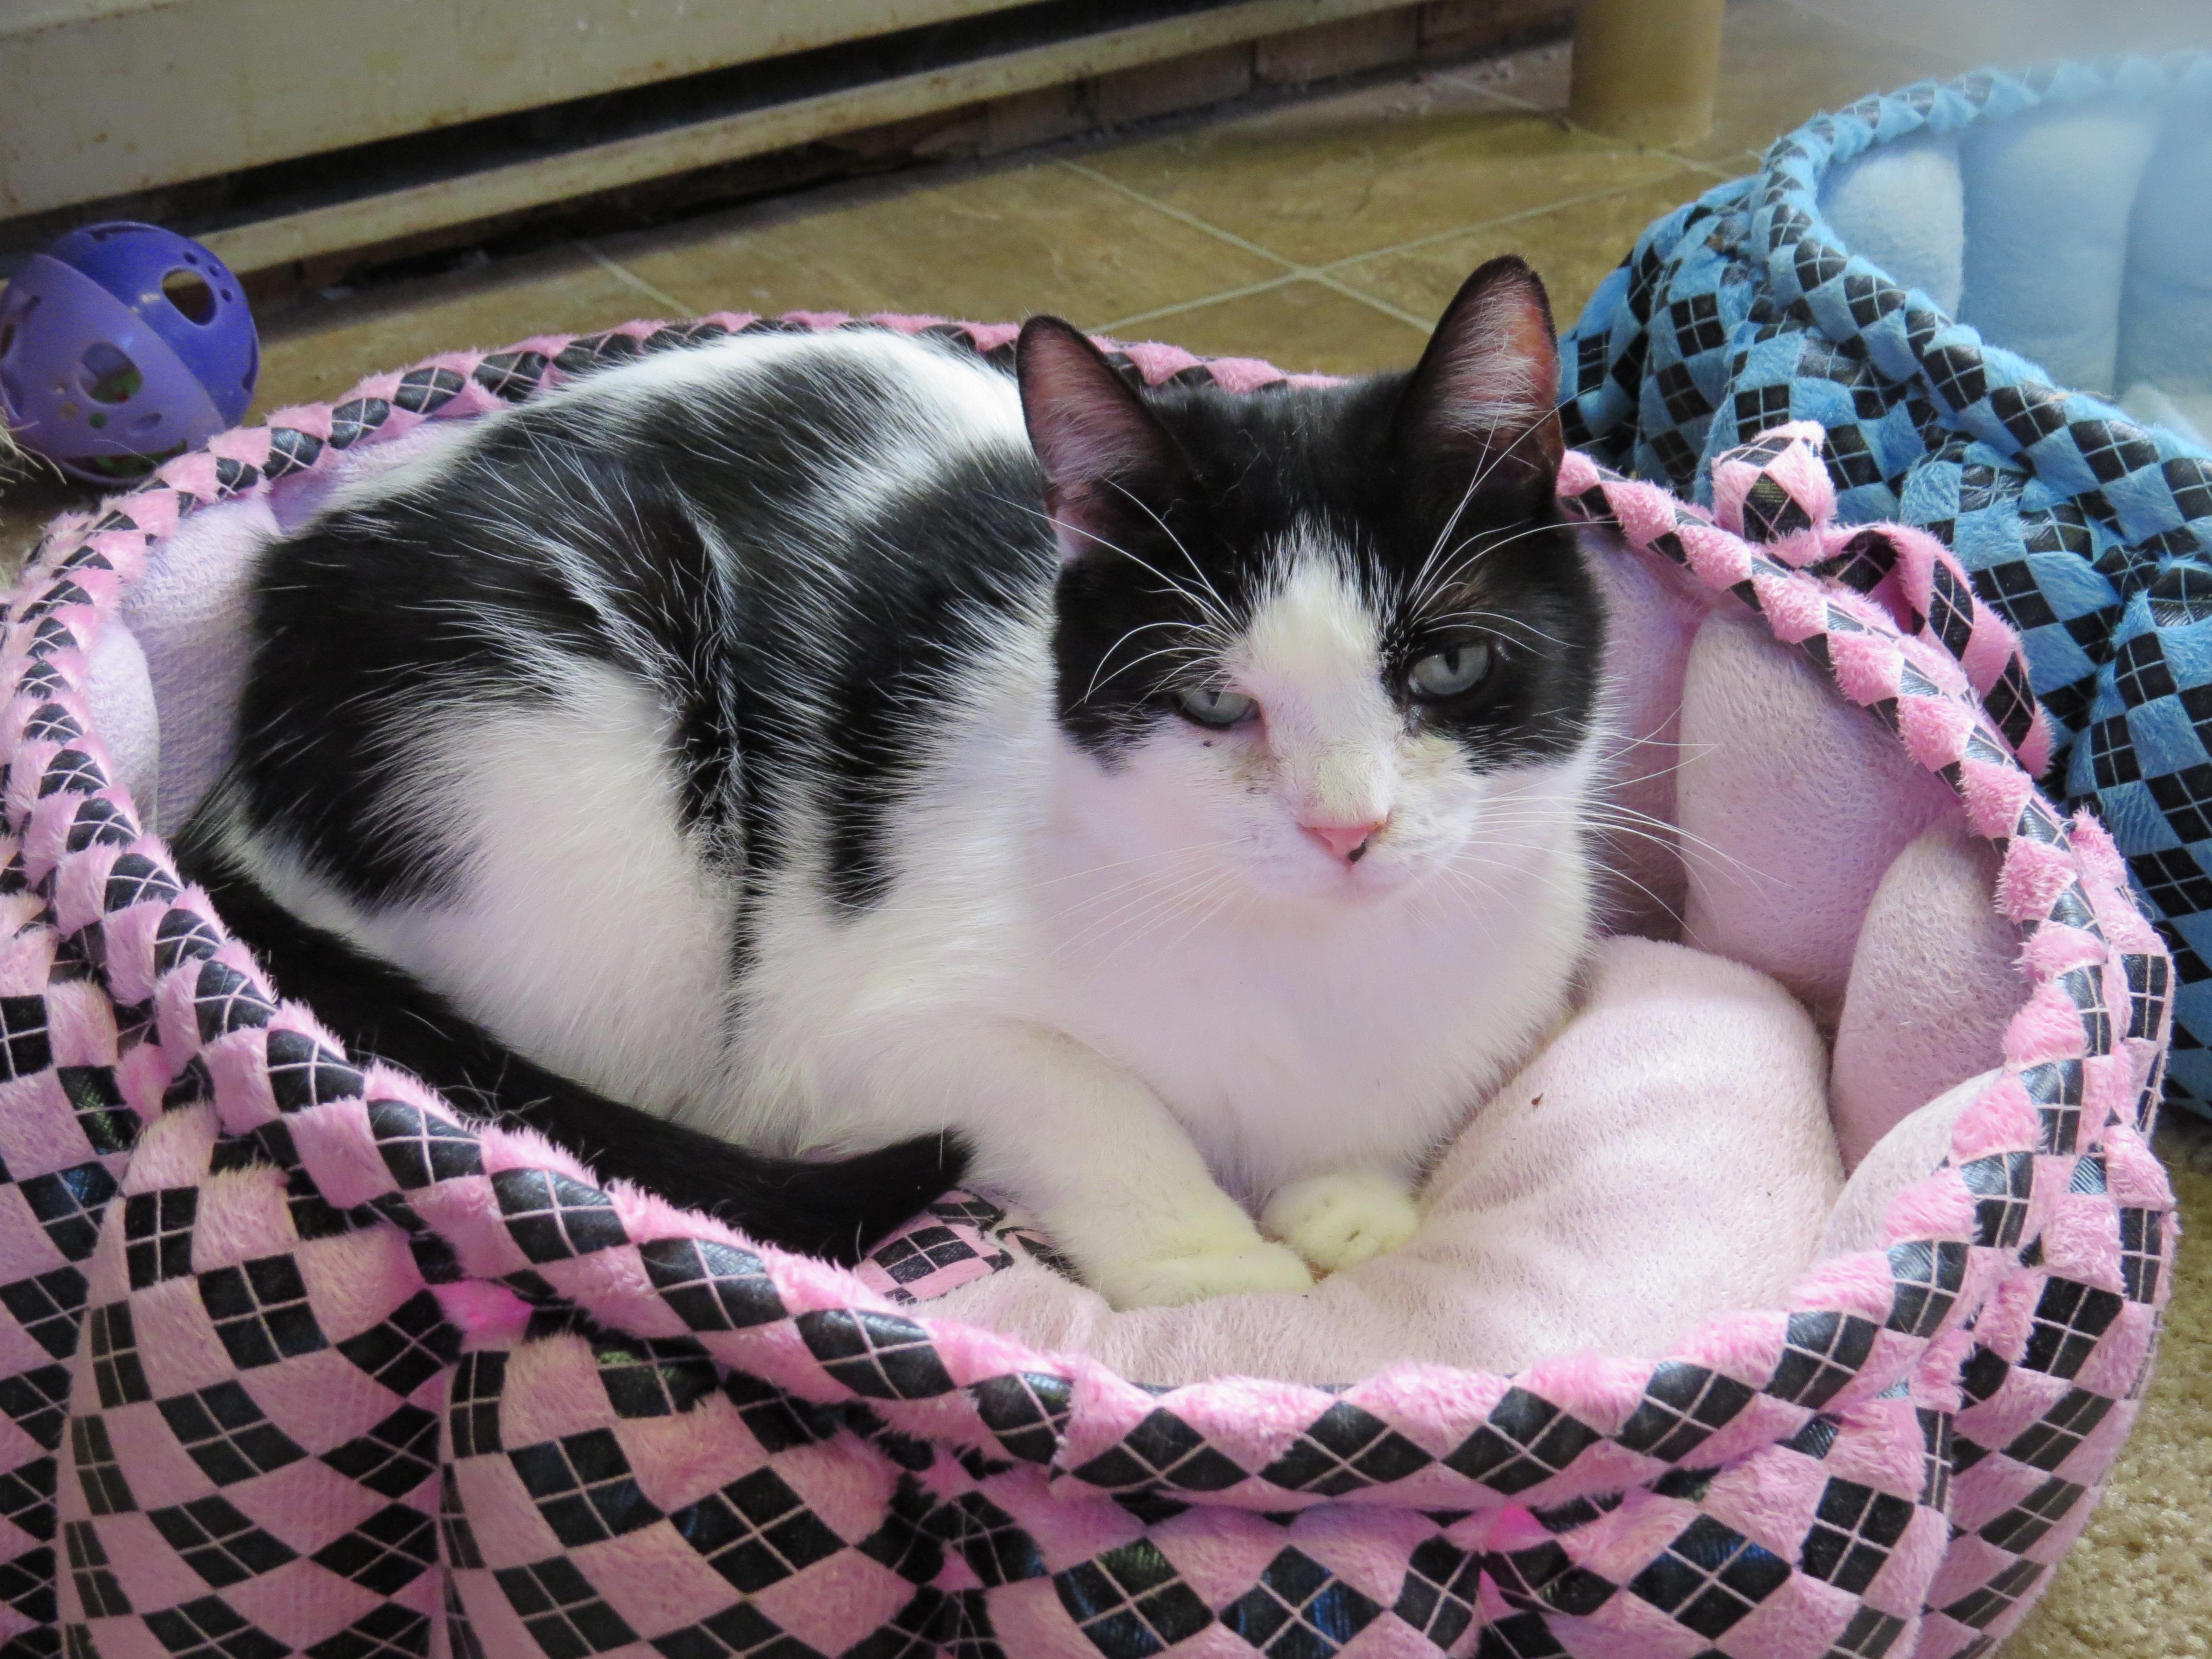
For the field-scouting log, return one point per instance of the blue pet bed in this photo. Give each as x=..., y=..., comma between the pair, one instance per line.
x=1996, y=295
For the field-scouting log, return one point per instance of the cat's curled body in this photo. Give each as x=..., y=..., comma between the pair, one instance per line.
x=826, y=739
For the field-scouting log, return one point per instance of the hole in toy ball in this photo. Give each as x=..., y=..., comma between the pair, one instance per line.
x=97, y=420
x=109, y=376
x=125, y=466
x=188, y=291
x=147, y=422
x=9, y=332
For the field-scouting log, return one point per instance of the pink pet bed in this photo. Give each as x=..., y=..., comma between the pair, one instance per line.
x=296, y=1360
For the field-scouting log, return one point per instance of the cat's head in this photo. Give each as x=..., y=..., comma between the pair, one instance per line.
x=1329, y=640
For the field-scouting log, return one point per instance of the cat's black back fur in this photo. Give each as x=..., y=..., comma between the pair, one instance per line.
x=447, y=586
x=833, y=1209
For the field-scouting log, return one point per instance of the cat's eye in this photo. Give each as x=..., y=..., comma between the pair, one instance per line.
x=1450, y=673
x=1217, y=706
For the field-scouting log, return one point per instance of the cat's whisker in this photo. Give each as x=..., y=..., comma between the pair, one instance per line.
x=1215, y=615
x=1473, y=548
x=1197, y=569
x=1490, y=462
x=1483, y=543
x=1620, y=745
x=1451, y=527
x=1188, y=651
x=1481, y=897
x=1173, y=905
x=1419, y=582
x=1477, y=547
x=1203, y=906
x=1484, y=467
x=1148, y=897
x=1131, y=891
x=1107, y=657
x=1141, y=858
x=1603, y=872
x=1691, y=849
x=1231, y=890
x=1503, y=624
x=1614, y=811
x=1684, y=754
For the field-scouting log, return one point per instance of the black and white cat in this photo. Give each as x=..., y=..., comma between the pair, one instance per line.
x=826, y=741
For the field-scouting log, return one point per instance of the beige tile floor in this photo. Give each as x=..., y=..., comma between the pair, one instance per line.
x=1326, y=233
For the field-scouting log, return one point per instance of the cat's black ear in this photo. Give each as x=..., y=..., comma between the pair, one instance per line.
x=1483, y=401
x=1107, y=458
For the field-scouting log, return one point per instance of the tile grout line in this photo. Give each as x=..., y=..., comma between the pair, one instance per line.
x=678, y=310
x=1180, y=215
x=1719, y=170
x=1292, y=271
x=1518, y=102
x=1497, y=223
x=1137, y=318
x=1324, y=276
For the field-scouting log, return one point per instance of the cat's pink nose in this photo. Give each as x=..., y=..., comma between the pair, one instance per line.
x=1344, y=841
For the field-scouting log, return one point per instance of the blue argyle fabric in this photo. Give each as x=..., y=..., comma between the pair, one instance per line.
x=2091, y=534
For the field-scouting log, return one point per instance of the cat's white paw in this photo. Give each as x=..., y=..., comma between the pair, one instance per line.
x=1169, y=1281
x=1339, y=1220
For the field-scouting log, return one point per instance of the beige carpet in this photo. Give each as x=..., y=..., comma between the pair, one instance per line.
x=2138, y=1585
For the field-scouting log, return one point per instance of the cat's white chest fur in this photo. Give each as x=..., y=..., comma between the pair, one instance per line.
x=1076, y=969
x=1354, y=1036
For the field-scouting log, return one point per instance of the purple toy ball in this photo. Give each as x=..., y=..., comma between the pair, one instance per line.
x=121, y=345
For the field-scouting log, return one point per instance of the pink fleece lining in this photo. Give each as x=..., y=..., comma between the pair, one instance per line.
x=687, y=1446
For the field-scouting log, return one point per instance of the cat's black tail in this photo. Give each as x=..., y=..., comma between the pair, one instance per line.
x=833, y=1209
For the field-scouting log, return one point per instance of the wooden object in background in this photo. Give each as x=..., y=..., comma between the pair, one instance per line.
x=1646, y=71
